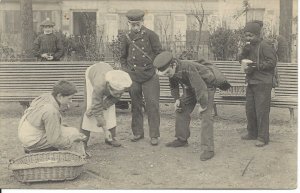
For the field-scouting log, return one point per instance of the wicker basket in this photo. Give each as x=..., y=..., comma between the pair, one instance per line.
x=235, y=91
x=47, y=166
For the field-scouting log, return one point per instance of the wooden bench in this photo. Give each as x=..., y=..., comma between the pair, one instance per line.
x=286, y=95
x=23, y=81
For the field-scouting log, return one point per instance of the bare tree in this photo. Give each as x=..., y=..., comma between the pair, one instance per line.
x=27, y=34
x=245, y=8
x=198, y=12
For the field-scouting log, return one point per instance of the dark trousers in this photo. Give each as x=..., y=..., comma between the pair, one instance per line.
x=183, y=119
x=150, y=91
x=258, y=99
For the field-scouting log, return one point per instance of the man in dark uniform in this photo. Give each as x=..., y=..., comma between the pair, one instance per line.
x=139, y=47
x=198, y=82
x=48, y=46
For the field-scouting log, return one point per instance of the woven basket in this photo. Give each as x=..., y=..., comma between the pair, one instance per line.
x=47, y=166
x=235, y=91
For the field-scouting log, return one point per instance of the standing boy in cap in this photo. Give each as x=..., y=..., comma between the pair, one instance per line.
x=139, y=47
x=41, y=128
x=197, y=82
x=48, y=46
x=259, y=76
x=104, y=87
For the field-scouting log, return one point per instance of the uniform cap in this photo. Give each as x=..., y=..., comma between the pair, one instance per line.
x=118, y=79
x=47, y=22
x=162, y=61
x=253, y=27
x=135, y=15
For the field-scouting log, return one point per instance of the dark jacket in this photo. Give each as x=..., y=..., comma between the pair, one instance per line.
x=264, y=72
x=48, y=43
x=139, y=66
x=195, y=78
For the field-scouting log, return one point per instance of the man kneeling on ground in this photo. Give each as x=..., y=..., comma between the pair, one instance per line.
x=41, y=128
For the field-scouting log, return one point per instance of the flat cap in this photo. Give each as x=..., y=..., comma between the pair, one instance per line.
x=118, y=79
x=162, y=61
x=135, y=15
x=47, y=22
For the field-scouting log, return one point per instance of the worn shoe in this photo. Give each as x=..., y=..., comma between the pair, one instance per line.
x=137, y=138
x=206, y=155
x=260, y=143
x=154, y=141
x=113, y=143
x=248, y=137
x=177, y=143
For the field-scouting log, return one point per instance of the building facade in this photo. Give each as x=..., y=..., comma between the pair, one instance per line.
x=170, y=19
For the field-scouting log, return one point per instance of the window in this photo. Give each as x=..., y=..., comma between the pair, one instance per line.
x=12, y=22
x=255, y=14
x=163, y=26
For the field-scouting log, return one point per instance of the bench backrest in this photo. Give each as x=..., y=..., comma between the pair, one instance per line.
x=288, y=73
x=26, y=80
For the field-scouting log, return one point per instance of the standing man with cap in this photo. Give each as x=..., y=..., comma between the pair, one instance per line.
x=197, y=81
x=104, y=87
x=48, y=46
x=259, y=77
x=139, y=47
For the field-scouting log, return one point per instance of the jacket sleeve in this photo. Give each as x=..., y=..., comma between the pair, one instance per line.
x=174, y=87
x=268, y=58
x=97, y=107
x=155, y=43
x=59, y=49
x=109, y=101
x=124, y=51
x=52, y=123
x=199, y=86
x=36, y=47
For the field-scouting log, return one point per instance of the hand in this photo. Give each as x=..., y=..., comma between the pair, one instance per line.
x=80, y=137
x=101, y=121
x=177, y=106
x=44, y=55
x=50, y=58
x=200, y=110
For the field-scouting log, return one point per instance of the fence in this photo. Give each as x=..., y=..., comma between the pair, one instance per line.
x=91, y=48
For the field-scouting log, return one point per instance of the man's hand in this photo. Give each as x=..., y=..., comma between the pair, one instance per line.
x=44, y=55
x=177, y=106
x=80, y=137
x=101, y=121
x=50, y=57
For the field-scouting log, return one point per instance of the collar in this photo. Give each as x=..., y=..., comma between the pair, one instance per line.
x=178, y=70
x=55, y=102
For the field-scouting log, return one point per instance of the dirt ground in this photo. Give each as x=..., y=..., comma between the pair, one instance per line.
x=142, y=166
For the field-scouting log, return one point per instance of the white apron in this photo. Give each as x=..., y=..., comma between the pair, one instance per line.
x=90, y=123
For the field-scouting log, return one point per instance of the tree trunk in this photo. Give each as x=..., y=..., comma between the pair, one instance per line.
x=27, y=34
x=285, y=26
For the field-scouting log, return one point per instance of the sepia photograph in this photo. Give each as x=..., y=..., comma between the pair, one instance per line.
x=149, y=94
